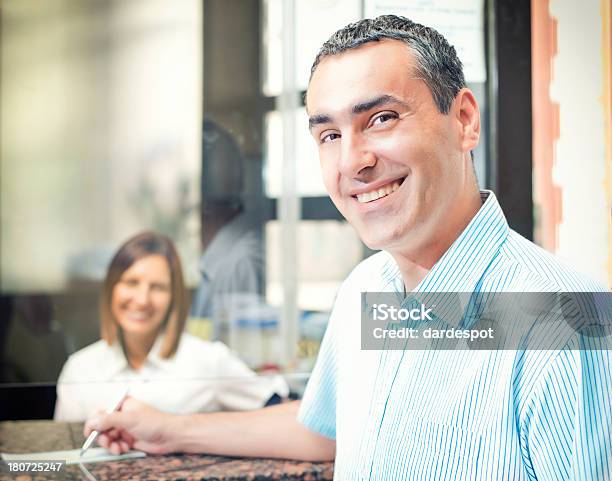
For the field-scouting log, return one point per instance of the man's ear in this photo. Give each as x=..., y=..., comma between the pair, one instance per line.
x=467, y=114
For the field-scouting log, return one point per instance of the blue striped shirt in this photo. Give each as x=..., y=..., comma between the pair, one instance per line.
x=463, y=415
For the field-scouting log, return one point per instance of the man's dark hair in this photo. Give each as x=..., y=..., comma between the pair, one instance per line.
x=222, y=166
x=437, y=62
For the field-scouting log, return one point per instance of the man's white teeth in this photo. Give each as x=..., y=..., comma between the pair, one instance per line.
x=377, y=194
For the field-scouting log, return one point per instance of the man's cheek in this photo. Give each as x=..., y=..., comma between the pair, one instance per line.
x=330, y=181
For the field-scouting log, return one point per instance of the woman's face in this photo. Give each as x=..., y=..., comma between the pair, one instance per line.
x=142, y=297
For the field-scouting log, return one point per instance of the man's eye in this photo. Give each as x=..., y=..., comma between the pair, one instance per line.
x=329, y=137
x=384, y=117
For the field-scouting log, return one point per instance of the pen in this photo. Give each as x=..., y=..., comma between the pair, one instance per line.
x=112, y=407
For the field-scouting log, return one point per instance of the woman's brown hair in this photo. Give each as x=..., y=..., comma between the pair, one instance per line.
x=134, y=249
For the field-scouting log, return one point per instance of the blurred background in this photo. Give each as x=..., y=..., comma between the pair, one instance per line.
x=103, y=107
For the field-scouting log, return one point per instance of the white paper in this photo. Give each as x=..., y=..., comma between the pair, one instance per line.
x=72, y=456
x=460, y=21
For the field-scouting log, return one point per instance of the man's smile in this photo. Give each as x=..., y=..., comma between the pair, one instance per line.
x=379, y=192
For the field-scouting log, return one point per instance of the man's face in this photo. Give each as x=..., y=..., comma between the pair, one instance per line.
x=391, y=162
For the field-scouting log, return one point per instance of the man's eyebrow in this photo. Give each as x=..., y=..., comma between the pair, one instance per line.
x=377, y=102
x=318, y=120
x=358, y=109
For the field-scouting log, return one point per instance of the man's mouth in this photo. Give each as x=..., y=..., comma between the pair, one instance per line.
x=379, y=193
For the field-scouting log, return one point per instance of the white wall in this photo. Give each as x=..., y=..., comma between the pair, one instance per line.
x=578, y=85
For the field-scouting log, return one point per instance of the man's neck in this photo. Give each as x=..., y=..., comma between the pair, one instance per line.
x=213, y=223
x=415, y=265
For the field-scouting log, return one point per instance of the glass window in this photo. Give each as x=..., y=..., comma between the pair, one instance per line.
x=100, y=128
x=124, y=116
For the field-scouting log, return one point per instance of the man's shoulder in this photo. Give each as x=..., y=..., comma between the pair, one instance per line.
x=539, y=270
x=248, y=242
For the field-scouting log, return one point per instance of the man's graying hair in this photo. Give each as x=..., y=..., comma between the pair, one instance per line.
x=437, y=62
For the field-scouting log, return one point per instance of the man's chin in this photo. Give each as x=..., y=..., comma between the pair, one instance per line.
x=376, y=243
x=389, y=240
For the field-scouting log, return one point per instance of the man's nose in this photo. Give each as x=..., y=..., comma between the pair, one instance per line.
x=356, y=158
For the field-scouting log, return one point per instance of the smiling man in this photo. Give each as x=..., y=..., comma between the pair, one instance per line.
x=395, y=126
x=395, y=161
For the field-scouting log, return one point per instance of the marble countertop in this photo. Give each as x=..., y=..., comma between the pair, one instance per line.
x=33, y=436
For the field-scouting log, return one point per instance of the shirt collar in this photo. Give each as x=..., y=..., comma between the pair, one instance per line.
x=462, y=267
x=464, y=263
x=116, y=363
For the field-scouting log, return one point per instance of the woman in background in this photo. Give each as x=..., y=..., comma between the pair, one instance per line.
x=143, y=310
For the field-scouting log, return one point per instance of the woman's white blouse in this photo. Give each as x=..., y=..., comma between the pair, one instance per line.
x=202, y=376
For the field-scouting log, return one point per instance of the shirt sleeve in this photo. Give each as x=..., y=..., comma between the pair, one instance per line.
x=566, y=433
x=318, y=407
